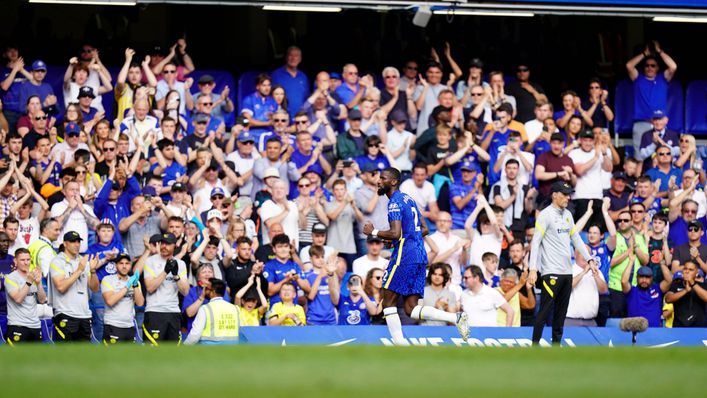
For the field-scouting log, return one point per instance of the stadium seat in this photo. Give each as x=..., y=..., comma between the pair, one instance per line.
x=623, y=107
x=696, y=108
x=613, y=322
x=246, y=86
x=676, y=107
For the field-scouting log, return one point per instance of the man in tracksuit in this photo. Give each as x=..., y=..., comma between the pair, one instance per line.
x=551, y=252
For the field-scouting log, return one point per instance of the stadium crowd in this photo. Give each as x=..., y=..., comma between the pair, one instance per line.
x=125, y=227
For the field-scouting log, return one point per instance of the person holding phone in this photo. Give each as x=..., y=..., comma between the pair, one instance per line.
x=356, y=308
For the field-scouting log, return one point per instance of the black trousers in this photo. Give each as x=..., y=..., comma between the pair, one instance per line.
x=162, y=326
x=556, y=290
x=68, y=328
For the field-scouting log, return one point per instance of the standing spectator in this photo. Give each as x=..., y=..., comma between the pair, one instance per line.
x=357, y=307
x=208, y=252
x=143, y=222
x=71, y=275
x=265, y=251
x=437, y=294
x=12, y=76
x=587, y=284
x=138, y=126
x=218, y=322
x=293, y=80
x=76, y=83
x=464, y=195
x=74, y=215
x=602, y=249
x=35, y=85
x=308, y=156
x=498, y=93
x=373, y=206
x=572, y=109
x=650, y=88
x=589, y=160
x=596, y=105
x=680, y=216
x=221, y=103
x=281, y=211
x=480, y=301
x=401, y=143
x=688, y=157
x=526, y=93
x=475, y=78
x=352, y=89
x=535, y=127
x=165, y=276
x=509, y=286
x=410, y=74
x=689, y=183
x=243, y=267
x=658, y=136
x=342, y=213
x=282, y=271
x=688, y=296
x=372, y=259
x=694, y=250
x=452, y=249
x=250, y=312
x=496, y=139
x=285, y=312
x=426, y=95
x=243, y=160
x=323, y=111
x=664, y=171
x=422, y=191
x=323, y=298
x=489, y=237
x=659, y=251
x=351, y=144
x=159, y=61
x=645, y=298
x=170, y=82
x=129, y=81
x=394, y=98
x=517, y=199
x=617, y=195
x=274, y=159
x=553, y=166
x=630, y=247
x=24, y=291
x=319, y=235
x=310, y=204
x=121, y=294
x=197, y=295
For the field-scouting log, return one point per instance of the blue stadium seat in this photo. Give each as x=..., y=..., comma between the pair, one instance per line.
x=623, y=107
x=676, y=107
x=246, y=86
x=696, y=108
x=613, y=322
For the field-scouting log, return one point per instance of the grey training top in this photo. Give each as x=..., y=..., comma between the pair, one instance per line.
x=554, y=228
x=24, y=314
x=73, y=302
x=165, y=298
x=121, y=314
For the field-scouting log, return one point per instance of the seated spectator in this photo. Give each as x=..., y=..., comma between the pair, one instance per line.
x=481, y=302
x=690, y=181
x=509, y=286
x=283, y=271
x=688, y=294
x=694, y=250
x=372, y=259
x=646, y=297
x=36, y=85
x=138, y=126
x=357, y=307
x=658, y=136
x=646, y=194
x=688, y=158
x=376, y=153
x=422, y=191
x=286, y=312
x=205, y=105
x=452, y=249
x=251, y=314
x=323, y=298
x=342, y=213
x=280, y=122
x=265, y=251
x=308, y=155
x=489, y=265
x=259, y=105
x=437, y=294
x=587, y=284
x=319, y=237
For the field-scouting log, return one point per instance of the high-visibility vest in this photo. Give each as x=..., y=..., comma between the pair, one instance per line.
x=222, y=322
x=34, y=249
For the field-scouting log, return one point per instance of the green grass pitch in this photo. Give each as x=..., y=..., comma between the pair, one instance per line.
x=353, y=371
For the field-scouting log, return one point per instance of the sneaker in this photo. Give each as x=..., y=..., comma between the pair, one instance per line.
x=463, y=325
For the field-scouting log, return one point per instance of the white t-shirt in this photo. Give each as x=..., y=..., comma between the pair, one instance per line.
x=482, y=244
x=533, y=129
x=523, y=174
x=242, y=166
x=699, y=197
x=363, y=264
x=290, y=224
x=445, y=243
x=76, y=222
x=422, y=196
x=481, y=307
x=395, y=141
x=72, y=94
x=304, y=253
x=68, y=152
x=28, y=232
x=589, y=185
x=584, y=300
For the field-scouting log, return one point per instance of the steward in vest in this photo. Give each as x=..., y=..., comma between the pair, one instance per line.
x=216, y=322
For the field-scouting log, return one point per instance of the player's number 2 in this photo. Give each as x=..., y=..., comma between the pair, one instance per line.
x=417, y=218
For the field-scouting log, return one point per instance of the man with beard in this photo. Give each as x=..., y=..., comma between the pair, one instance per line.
x=242, y=267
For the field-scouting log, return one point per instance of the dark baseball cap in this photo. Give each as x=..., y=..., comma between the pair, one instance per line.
x=354, y=114
x=123, y=256
x=695, y=223
x=178, y=186
x=476, y=63
x=557, y=137
x=619, y=175
x=86, y=91
x=399, y=116
x=374, y=239
x=645, y=271
x=206, y=79
x=168, y=238
x=561, y=186
x=72, y=236
x=201, y=117
x=586, y=134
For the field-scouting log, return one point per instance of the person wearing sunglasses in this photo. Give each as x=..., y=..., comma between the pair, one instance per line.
x=658, y=135
x=596, y=105
x=526, y=93
x=664, y=170
x=170, y=82
x=650, y=87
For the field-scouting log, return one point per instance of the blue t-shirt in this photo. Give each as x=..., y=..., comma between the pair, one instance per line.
x=353, y=313
x=321, y=310
x=602, y=252
x=54, y=176
x=647, y=303
x=274, y=271
x=213, y=125
x=461, y=190
x=346, y=94
x=296, y=87
x=260, y=108
x=655, y=174
x=101, y=250
x=380, y=161
x=11, y=97
x=678, y=232
x=498, y=144
x=170, y=175
x=655, y=207
x=90, y=114
x=493, y=283
x=27, y=89
x=6, y=264
x=300, y=160
x=402, y=207
x=649, y=95
x=470, y=158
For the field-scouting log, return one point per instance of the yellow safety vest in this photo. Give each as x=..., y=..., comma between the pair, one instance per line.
x=34, y=249
x=222, y=322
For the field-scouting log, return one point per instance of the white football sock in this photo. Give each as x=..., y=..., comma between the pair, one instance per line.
x=428, y=313
x=392, y=319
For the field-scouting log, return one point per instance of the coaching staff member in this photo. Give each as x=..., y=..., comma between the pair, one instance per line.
x=551, y=248
x=165, y=275
x=121, y=293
